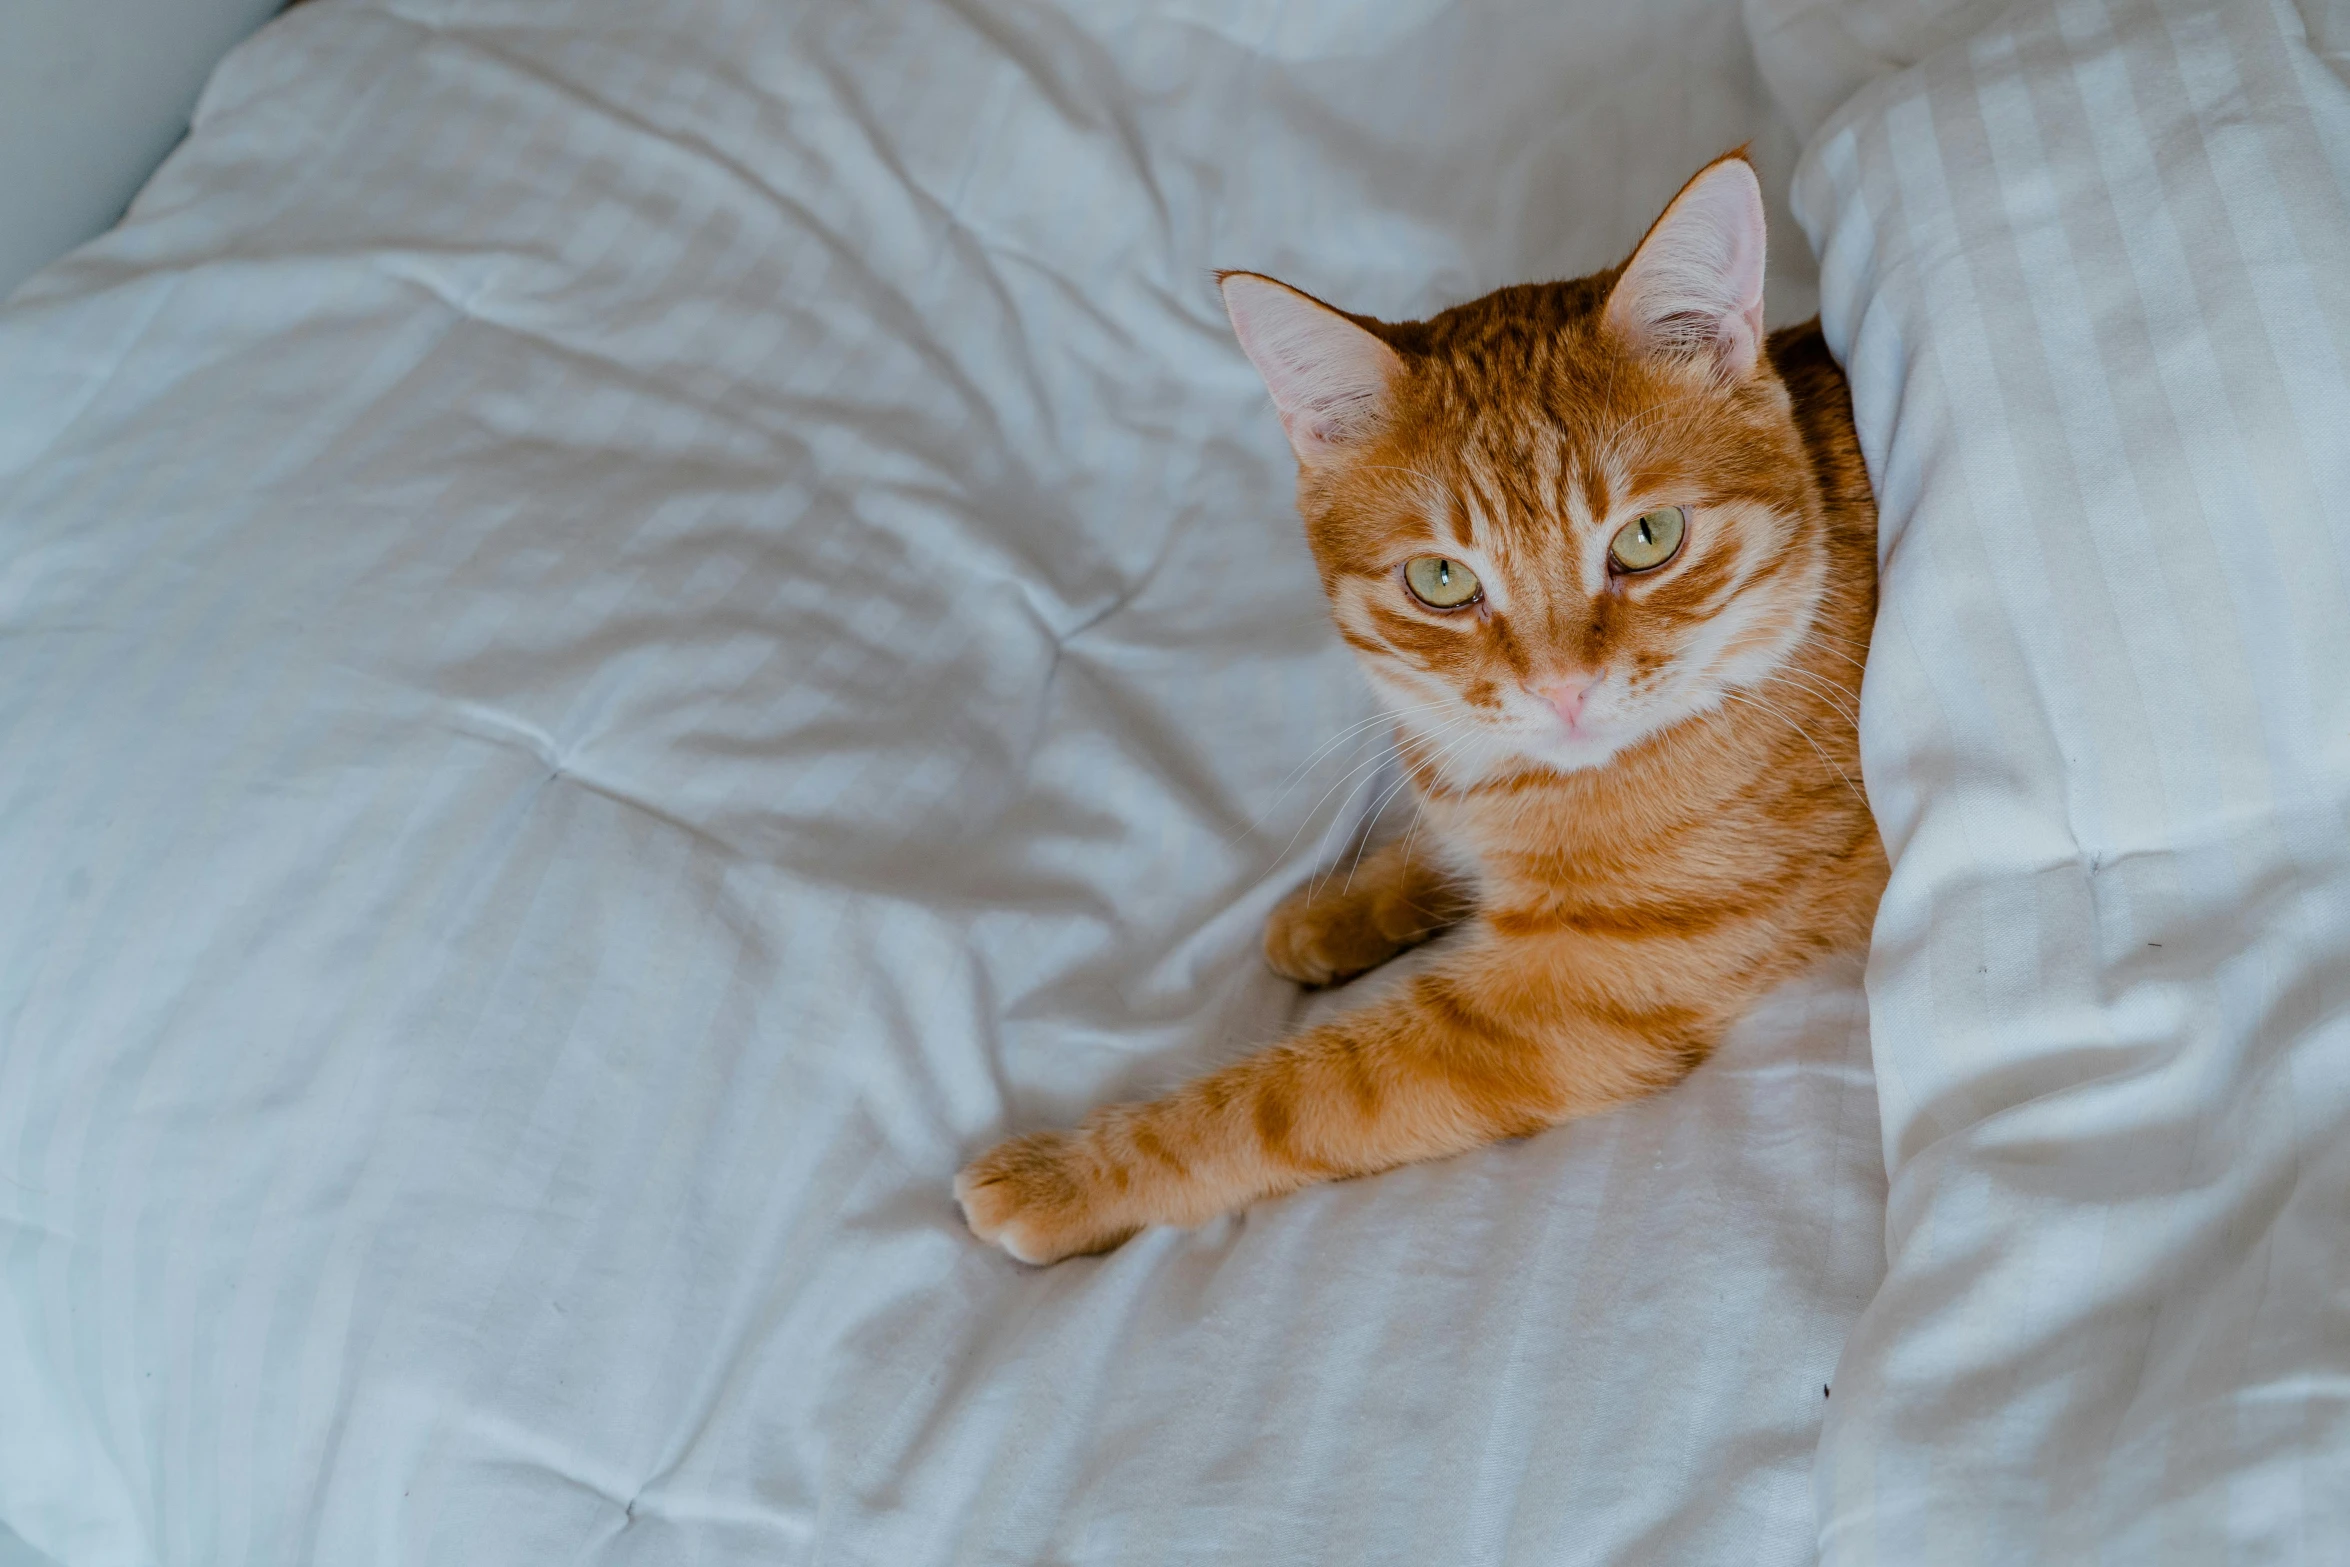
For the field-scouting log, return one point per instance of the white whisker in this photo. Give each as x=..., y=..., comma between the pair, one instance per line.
x=1828, y=695
x=1405, y=782
x=1732, y=696
x=1297, y=774
x=1812, y=639
x=1344, y=813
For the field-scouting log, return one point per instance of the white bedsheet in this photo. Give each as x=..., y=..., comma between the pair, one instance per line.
x=625, y=630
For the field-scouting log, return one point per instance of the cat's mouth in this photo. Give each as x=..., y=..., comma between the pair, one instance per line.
x=1588, y=727
x=1573, y=741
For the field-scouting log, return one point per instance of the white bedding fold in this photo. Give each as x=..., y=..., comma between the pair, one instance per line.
x=2086, y=272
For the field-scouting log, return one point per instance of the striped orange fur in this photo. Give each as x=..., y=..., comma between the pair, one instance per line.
x=1640, y=790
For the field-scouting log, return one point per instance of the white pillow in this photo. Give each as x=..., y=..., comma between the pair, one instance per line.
x=1814, y=54
x=2090, y=273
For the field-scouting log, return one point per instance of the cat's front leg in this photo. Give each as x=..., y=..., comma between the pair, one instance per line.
x=1347, y=922
x=1497, y=1042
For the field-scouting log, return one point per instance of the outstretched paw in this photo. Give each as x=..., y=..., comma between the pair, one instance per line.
x=1035, y=1197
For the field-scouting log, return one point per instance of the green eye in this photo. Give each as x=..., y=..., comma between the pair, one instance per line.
x=1440, y=583
x=1649, y=540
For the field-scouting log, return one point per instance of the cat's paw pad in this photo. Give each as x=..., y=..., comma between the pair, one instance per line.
x=1032, y=1197
x=1322, y=940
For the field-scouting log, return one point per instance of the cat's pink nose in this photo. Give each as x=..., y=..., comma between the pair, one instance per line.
x=1565, y=696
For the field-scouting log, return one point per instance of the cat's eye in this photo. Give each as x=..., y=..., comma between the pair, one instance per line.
x=1440, y=583
x=1648, y=540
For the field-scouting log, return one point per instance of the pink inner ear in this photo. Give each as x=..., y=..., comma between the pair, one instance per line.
x=1329, y=378
x=1696, y=281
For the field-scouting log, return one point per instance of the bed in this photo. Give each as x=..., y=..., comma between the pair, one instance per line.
x=631, y=628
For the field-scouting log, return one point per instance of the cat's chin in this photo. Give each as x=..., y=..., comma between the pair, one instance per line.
x=1506, y=755
x=1578, y=753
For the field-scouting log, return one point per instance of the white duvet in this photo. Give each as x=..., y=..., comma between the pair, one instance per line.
x=627, y=629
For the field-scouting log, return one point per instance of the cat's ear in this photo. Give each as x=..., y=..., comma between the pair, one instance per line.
x=1695, y=285
x=1329, y=378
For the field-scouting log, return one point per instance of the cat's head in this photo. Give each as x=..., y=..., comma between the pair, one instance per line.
x=1559, y=520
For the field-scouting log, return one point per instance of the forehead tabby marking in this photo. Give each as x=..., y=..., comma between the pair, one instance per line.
x=1540, y=437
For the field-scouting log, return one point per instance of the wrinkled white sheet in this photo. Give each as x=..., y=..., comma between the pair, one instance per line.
x=628, y=628
x=2090, y=273
x=1815, y=54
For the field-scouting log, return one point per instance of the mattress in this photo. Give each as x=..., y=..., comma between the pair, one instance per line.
x=626, y=630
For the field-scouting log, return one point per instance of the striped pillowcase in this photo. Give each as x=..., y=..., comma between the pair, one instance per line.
x=2090, y=272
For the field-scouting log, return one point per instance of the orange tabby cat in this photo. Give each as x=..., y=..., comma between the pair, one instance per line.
x=1612, y=558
